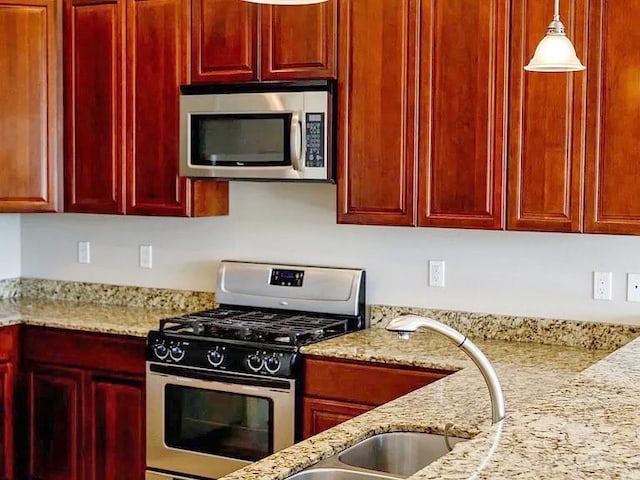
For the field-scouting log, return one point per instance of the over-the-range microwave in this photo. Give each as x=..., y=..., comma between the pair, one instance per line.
x=258, y=131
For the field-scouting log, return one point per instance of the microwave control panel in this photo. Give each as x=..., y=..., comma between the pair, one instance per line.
x=315, y=140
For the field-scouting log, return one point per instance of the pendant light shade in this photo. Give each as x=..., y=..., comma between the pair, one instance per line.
x=555, y=53
x=286, y=2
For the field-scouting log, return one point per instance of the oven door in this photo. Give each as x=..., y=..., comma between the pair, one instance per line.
x=208, y=424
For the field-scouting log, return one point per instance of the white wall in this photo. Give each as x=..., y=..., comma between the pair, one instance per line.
x=9, y=246
x=547, y=275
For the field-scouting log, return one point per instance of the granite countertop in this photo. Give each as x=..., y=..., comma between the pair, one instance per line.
x=571, y=413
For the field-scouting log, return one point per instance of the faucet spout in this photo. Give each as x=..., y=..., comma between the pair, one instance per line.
x=407, y=324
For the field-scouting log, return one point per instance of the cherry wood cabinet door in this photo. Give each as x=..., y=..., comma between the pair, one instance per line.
x=55, y=422
x=547, y=126
x=156, y=67
x=319, y=414
x=377, y=124
x=30, y=118
x=224, y=41
x=613, y=165
x=94, y=117
x=299, y=42
x=463, y=96
x=7, y=391
x=116, y=427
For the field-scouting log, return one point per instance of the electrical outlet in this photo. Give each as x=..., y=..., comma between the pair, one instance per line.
x=436, y=273
x=84, y=252
x=146, y=256
x=633, y=287
x=602, y=285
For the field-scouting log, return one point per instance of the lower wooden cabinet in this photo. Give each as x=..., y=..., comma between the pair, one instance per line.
x=8, y=378
x=338, y=390
x=85, y=405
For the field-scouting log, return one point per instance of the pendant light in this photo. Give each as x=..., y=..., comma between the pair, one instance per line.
x=286, y=2
x=555, y=53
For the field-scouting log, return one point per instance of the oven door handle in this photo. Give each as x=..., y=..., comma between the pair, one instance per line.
x=221, y=377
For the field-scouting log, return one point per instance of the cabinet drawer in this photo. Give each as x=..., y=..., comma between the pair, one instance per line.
x=9, y=343
x=320, y=415
x=363, y=383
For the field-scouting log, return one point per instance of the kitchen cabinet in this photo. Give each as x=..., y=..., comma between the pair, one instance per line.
x=235, y=41
x=377, y=124
x=9, y=345
x=30, y=105
x=547, y=127
x=124, y=63
x=337, y=390
x=422, y=124
x=612, y=203
x=86, y=405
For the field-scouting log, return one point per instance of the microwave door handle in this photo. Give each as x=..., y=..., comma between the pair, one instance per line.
x=296, y=141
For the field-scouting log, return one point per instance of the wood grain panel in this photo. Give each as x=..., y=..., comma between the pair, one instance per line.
x=224, y=41
x=613, y=162
x=7, y=392
x=548, y=122
x=156, y=67
x=94, y=82
x=116, y=428
x=377, y=118
x=299, y=42
x=319, y=415
x=30, y=34
x=462, y=112
x=55, y=421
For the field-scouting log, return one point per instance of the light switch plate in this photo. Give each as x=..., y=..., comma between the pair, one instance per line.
x=633, y=287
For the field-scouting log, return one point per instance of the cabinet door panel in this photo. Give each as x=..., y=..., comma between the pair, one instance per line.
x=224, y=41
x=299, y=41
x=93, y=106
x=548, y=121
x=156, y=63
x=613, y=165
x=116, y=428
x=29, y=99
x=320, y=415
x=7, y=387
x=377, y=120
x=463, y=95
x=55, y=423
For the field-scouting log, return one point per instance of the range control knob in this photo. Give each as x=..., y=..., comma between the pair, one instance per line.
x=176, y=352
x=160, y=350
x=215, y=357
x=272, y=364
x=255, y=362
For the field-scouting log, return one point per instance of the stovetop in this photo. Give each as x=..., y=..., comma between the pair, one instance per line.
x=262, y=326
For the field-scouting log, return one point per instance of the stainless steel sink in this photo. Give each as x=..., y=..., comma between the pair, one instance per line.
x=398, y=453
x=336, y=474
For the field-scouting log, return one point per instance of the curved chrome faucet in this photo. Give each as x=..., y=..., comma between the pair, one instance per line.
x=407, y=324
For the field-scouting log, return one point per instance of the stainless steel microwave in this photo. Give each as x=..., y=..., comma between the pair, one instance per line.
x=258, y=131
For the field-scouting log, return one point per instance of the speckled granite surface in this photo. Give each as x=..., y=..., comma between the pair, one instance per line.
x=9, y=288
x=560, y=424
x=519, y=329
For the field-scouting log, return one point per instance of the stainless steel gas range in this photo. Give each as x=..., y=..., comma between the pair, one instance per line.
x=222, y=385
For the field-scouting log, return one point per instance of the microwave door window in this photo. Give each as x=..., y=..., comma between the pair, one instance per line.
x=241, y=140
x=218, y=423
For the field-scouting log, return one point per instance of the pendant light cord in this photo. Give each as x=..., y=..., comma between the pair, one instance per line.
x=556, y=15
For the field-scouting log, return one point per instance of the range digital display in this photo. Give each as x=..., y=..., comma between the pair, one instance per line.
x=286, y=278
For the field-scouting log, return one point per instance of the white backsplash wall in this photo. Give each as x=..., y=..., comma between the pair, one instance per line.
x=9, y=246
x=548, y=275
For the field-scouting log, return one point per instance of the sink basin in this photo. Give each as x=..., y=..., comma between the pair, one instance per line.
x=398, y=453
x=336, y=474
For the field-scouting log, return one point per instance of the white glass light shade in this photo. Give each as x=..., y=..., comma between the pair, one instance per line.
x=555, y=53
x=286, y=2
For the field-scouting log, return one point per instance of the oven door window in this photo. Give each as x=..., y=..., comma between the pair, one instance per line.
x=218, y=423
x=241, y=140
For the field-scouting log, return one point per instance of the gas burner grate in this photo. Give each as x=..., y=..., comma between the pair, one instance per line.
x=258, y=326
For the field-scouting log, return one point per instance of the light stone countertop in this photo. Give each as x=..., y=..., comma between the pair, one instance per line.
x=563, y=422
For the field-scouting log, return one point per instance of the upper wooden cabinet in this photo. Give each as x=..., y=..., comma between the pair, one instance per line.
x=30, y=98
x=547, y=126
x=377, y=124
x=124, y=63
x=235, y=41
x=463, y=96
x=613, y=164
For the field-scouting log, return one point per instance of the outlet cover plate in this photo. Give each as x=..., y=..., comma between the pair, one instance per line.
x=602, y=285
x=436, y=273
x=633, y=287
